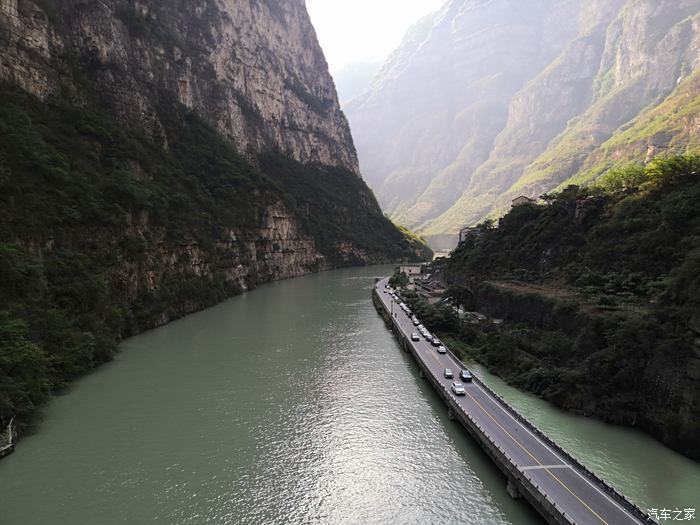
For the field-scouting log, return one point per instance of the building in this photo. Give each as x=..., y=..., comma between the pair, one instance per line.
x=411, y=270
x=522, y=200
x=473, y=233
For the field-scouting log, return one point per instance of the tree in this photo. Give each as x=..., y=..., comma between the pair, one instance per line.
x=23, y=370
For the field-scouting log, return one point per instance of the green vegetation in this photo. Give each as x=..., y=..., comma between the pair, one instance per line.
x=417, y=244
x=668, y=126
x=336, y=207
x=599, y=287
x=72, y=183
x=91, y=210
x=398, y=279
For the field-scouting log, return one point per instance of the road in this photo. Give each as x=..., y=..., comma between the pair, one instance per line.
x=560, y=479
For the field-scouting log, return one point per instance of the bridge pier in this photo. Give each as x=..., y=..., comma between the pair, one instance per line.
x=512, y=489
x=420, y=371
x=450, y=414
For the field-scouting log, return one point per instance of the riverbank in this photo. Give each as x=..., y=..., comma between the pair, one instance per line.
x=131, y=235
x=191, y=422
x=598, y=292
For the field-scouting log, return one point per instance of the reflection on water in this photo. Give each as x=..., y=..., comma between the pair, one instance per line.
x=290, y=404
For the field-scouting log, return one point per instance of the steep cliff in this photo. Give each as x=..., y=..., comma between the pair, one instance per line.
x=253, y=69
x=582, y=73
x=158, y=157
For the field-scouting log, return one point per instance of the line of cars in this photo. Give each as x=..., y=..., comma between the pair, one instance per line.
x=465, y=375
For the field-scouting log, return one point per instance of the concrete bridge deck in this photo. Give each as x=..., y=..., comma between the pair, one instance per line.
x=561, y=489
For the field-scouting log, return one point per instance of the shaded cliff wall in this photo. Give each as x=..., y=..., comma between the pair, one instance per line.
x=654, y=391
x=158, y=157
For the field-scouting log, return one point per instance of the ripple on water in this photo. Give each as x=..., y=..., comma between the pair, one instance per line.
x=290, y=404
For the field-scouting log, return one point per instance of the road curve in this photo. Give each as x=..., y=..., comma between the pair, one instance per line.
x=551, y=471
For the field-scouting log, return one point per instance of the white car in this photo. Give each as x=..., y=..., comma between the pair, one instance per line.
x=458, y=389
x=414, y=337
x=441, y=349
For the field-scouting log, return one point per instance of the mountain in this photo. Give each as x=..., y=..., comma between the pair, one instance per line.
x=597, y=289
x=490, y=99
x=158, y=157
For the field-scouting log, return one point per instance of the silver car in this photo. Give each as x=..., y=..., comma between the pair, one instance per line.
x=458, y=389
x=448, y=373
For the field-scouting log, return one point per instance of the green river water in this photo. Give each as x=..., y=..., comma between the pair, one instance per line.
x=291, y=404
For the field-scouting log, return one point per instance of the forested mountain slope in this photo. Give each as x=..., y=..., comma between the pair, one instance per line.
x=599, y=291
x=158, y=157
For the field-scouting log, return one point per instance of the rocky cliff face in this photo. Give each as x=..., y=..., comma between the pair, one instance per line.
x=491, y=129
x=242, y=258
x=442, y=96
x=158, y=157
x=251, y=68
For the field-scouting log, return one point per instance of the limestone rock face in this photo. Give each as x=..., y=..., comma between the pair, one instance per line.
x=490, y=99
x=278, y=249
x=252, y=68
x=28, y=42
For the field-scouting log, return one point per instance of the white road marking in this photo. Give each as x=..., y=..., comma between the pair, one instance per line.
x=536, y=438
x=536, y=467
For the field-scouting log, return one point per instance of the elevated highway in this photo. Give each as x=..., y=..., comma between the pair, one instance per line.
x=562, y=490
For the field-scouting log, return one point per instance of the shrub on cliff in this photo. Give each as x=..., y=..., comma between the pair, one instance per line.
x=629, y=251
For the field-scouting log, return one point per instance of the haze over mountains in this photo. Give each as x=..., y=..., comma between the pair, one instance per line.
x=353, y=79
x=486, y=100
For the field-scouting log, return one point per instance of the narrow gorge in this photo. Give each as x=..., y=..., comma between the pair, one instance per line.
x=156, y=158
x=487, y=100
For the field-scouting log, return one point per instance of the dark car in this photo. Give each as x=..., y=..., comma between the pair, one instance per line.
x=465, y=375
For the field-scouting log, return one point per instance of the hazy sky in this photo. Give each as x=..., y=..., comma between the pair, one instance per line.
x=363, y=30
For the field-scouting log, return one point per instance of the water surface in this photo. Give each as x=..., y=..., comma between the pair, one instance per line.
x=289, y=404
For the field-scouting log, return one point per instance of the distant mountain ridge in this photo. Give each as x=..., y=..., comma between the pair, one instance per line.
x=487, y=99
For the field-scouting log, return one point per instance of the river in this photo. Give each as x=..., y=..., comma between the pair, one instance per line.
x=291, y=404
